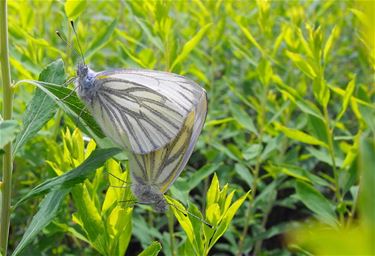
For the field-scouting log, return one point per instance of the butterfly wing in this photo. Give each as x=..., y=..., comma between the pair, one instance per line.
x=143, y=110
x=159, y=169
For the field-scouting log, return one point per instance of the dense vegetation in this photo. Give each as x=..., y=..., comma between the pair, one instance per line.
x=285, y=162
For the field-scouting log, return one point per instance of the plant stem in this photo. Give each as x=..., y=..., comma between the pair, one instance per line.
x=171, y=231
x=249, y=212
x=331, y=151
x=7, y=114
x=258, y=244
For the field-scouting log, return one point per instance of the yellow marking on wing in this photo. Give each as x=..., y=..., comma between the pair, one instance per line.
x=101, y=77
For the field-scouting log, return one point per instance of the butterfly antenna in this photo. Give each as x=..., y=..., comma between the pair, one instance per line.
x=114, y=176
x=79, y=45
x=185, y=212
x=133, y=202
x=67, y=43
x=70, y=93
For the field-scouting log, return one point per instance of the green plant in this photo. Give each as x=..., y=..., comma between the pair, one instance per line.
x=291, y=100
x=219, y=213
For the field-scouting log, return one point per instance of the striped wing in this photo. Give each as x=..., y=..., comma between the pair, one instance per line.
x=159, y=169
x=143, y=110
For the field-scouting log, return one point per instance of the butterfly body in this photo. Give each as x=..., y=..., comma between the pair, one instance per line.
x=156, y=116
x=148, y=194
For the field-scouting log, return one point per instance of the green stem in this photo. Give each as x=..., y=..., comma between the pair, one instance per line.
x=249, y=212
x=258, y=244
x=171, y=231
x=331, y=151
x=7, y=114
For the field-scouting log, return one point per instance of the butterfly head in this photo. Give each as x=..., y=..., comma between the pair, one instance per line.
x=86, y=78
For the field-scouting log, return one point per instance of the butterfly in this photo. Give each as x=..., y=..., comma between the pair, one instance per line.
x=156, y=116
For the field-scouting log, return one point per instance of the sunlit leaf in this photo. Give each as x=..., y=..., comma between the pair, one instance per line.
x=299, y=135
x=101, y=39
x=73, y=8
x=75, y=176
x=151, y=250
x=41, y=108
x=347, y=96
x=190, y=45
x=302, y=64
x=71, y=104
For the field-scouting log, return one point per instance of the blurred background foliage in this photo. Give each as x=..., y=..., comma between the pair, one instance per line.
x=291, y=103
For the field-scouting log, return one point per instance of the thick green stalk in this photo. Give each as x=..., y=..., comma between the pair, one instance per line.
x=7, y=114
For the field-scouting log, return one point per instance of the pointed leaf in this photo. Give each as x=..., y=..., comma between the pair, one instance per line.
x=316, y=202
x=299, y=135
x=41, y=108
x=73, y=8
x=190, y=45
x=71, y=105
x=8, y=131
x=47, y=212
x=101, y=39
x=75, y=176
x=151, y=250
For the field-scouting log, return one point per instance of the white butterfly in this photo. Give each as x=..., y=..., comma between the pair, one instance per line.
x=157, y=116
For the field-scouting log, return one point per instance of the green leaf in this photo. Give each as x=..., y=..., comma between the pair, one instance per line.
x=250, y=37
x=90, y=218
x=71, y=104
x=305, y=105
x=48, y=210
x=213, y=191
x=318, y=128
x=197, y=177
x=101, y=39
x=8, y=131
x=323, y=156
x=75, y=176
x=296, y=173
x=149, y=34
x=299, y=135
x=244, y=173
x=152, y=250
x=347, y=97
x=367, y=185
x=252, y=152
x=331, y=39
x=41, y=108
x=302, y=64
x=73, y=8
x=316, y=202
x=179, y=212
x=226, y=220
x=190, y=45
x=243, y=118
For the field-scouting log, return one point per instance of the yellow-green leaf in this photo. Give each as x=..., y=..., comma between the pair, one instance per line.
x=347, y=96
x=179, y=212
x=213, y=191
x=73, y=8
x=302, y=64
x=190, y=45
x=151, y=250
x=299, y=135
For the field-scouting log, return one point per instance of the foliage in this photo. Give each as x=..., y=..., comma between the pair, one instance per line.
x=219, y=213
x=291, y=119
